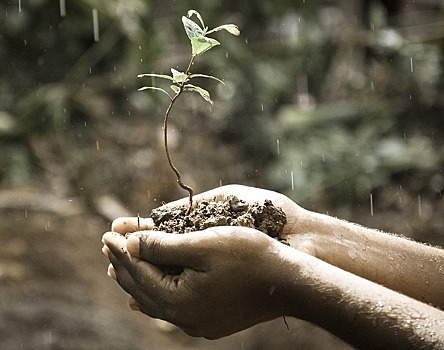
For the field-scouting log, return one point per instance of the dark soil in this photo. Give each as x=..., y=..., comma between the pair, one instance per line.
x=265, y=217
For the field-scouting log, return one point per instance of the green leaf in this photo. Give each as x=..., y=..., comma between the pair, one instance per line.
x=230, y=28
x=192, y=28
x=191, y=76
x=179, y=77
x=175, y=88
x=202, y=44
x=156, y=89
x=163, y=76
x=194, y=12
x=202, y=92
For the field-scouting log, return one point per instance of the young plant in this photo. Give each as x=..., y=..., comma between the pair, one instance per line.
x=181, y=81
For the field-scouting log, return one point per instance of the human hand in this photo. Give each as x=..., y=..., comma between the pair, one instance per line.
x=295, y=214
x=230, y=281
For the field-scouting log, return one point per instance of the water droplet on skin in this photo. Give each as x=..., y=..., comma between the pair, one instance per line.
x=352, y=253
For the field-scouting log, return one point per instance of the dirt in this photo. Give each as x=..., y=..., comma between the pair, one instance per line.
x=265, y=217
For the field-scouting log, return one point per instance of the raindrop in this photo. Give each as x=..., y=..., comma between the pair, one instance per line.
x=96, y=25
x=115, y=69
x=271, y=290
x=411, y=64
x=226, y=54
x=90, y=70
x=25, y=42
x=372, y=85
x=419, y=206
x=26, y=213
x=292, y=180
x=97, y=145
x=371, y=204
x=62, y=8
x=262, y=107
x=278, y=147
x=20, y=6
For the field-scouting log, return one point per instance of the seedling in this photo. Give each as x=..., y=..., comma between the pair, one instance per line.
x=200, y=43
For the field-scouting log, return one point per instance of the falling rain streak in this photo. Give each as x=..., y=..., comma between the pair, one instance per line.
x=292, y=180
x=96, y=25
x=62, y=8
x=419, y=206
x=411, y=64
x=371, y=204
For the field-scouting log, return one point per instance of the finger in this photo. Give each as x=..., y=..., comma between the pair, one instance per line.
x=185, y=250
x=126, y=225
x=111, y=272
x=115, y=245
x=141, y=299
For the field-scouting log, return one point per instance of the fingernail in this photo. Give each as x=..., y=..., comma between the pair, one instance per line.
x=105, y=250
x=111, y=272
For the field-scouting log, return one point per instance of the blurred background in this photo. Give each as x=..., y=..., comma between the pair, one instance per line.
x=337, y=104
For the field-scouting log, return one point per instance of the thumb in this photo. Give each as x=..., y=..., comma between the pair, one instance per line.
x=160, y=248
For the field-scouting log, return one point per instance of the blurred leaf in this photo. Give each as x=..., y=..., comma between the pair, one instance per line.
x=162, y=76
x=194, y=12
x=179, y=77
x=192, y=28
x=175, y=88
x=230, y=28
x=206, y=76
x=202, y=44
x=202, y=92
x=156, y=89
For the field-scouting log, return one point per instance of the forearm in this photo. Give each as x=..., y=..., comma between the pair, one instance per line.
x=406, y=266
x=361, y=312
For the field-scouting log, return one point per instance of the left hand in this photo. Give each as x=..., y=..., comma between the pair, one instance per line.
x=230, y=280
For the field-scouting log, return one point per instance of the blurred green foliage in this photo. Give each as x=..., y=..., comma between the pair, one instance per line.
x=325, y=99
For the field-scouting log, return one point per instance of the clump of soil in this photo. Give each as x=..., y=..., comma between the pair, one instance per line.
x=264, y=217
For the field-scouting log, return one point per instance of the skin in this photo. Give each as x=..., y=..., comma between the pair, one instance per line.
x=327, y=276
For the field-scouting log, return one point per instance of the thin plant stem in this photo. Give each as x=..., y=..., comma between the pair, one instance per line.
x=165, y=139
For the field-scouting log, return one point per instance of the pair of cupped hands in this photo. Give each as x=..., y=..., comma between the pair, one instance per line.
x=231, y=276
